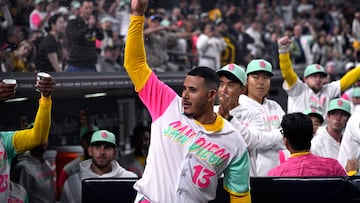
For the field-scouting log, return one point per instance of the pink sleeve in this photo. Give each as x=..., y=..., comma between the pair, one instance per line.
x=156, y=96
x=36, y=20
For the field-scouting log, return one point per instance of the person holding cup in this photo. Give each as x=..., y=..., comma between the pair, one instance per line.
x=19, y=141
x=7, y=89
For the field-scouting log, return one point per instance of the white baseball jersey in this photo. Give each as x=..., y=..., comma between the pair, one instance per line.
x=7, y=153
x=301, y=96
x=17, y=194
x=350, y=143
x=271, y=114
x=324, y=145
x=185, y=157
x=185, y=160
x=255, y=136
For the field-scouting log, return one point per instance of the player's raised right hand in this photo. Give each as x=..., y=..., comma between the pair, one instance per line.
x=284, y=44
x=138, y=7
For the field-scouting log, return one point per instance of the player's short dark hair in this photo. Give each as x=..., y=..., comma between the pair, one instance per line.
x=212, y=80
x=230, y=76
x=298, y=129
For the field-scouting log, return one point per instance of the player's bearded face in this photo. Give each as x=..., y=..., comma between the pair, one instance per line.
x=194, y=96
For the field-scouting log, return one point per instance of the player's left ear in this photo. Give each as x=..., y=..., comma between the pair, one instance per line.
x=212, y=95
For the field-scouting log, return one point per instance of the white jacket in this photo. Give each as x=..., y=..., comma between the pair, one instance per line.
x=72, y=187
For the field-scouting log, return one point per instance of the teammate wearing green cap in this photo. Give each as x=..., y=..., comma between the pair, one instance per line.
x=259, y=73
x=316, y=118
x=232, y=84
x=326, y=141
x=312, y=93
x=101, y=165
x=74, y=166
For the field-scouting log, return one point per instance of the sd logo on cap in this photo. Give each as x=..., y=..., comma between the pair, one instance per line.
x=102, y=136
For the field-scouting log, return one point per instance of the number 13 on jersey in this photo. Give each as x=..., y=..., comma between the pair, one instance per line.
x=202, y=176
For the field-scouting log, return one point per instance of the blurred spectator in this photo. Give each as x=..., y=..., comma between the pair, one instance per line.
x=319, y=50
x=356, y=26
x=135, y=161
x=35, y=174
x=81, y=33
x=231, y=49
x=39, y=16
x=209, y=46
x=243, y=40
x=74, y=9
x=355, y=100
x=6, y=20
x=286, y=11
x=331, y=70
x=49, y=56
x=159, y=39
x=22, y=59
x=106, y=23
x=300, y=45
x=255, y=30
x=52, y=7
x=108, y=62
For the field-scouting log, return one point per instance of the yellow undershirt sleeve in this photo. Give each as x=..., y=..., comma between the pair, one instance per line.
x=349, y=78
x=24, y=140
x=135, y=56
x=287, y=70
x=240, y=199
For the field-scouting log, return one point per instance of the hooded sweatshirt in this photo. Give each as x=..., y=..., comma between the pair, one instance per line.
x=72, y=187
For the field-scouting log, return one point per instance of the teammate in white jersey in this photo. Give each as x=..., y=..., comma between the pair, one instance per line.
x=232, y=84
x=350, y=144
x=191, y=146
x=259, y=73
x=312, y=93
x=327, y=139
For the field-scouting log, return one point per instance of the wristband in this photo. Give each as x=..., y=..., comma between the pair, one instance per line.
x=283, y=49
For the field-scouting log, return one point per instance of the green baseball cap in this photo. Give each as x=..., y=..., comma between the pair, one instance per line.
x=314, y=68
x=87, y=129
x=103, y=136
x=339, y=104
x=314, y=112
x=356, y=92
x=259, y=65
x=235, y=70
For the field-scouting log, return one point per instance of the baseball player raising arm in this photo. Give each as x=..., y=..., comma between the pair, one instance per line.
x=190, y=146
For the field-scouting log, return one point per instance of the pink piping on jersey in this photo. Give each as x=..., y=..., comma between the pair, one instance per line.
x=150, y=96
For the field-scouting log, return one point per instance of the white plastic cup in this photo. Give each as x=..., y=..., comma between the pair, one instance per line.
x=9, y=81
x=40, y=76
